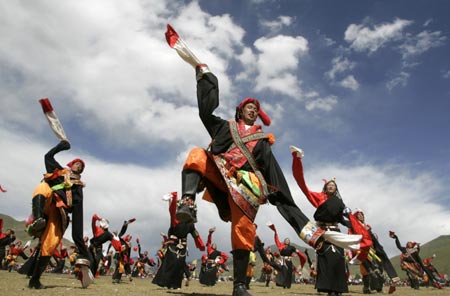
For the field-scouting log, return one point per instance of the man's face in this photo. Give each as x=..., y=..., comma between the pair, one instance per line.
x=77, y=167
x=249, y=113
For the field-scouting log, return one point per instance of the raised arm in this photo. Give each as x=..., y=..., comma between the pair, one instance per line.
x=397, y=242
x=173, y=209
x=301, y=257
x=197, y=239
x=50, y=163
x=258, y=246
x=95, y=228
x=279, y=244
x=209, y=241
x=314, y=198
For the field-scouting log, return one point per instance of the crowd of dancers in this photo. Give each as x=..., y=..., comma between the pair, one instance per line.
x=117, y=256
x=237, y=172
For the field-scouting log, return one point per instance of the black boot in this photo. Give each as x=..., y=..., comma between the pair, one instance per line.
x=247, y=282
x=40, y=267
x=186, y=208
x=38, y=226
x=366, y=284
x=240, y=264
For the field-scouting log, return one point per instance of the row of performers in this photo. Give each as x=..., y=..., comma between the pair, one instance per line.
x=174, y=251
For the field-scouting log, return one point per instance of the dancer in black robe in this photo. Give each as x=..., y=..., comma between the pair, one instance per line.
x=170, y=273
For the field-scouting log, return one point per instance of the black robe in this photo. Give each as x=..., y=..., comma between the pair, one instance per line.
x=208, y=273
x=285, y=272
x=218, y=129
x=331, y=270
x=170, y=273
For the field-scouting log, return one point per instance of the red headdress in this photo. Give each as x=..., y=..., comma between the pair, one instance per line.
x=411, y=244
x=264, y=117
x=325, y=181
x=70, y=164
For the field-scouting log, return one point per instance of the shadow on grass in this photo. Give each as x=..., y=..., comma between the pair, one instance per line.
x=195, y=293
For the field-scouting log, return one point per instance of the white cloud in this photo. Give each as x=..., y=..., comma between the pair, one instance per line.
x=328, y=41
x=363, y=38
x=110, y=65
x=323, y=104
x=446, y=75
x=212, y=37
x=428, y=22
x=277, y=59
x=421, y=43
x=349, y=82
x=248, y=60
x=340, y=65
x=400, y=80
x=276, y=25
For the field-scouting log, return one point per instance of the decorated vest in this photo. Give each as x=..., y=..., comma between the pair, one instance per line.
x=247, y=189
x=234, y=155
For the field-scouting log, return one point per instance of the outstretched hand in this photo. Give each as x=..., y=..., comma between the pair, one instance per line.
x=271, y=226
x=64, y=144
x=297, y=151
x=167, y=197
x=347, y=211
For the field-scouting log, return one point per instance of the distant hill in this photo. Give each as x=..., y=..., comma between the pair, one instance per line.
x=439, y=246
x=21, y=235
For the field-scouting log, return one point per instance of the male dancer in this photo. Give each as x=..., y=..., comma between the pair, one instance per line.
x=238, y=170
x=57, y=196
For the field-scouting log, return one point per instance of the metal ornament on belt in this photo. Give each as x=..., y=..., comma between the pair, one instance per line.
x=192, y=206
x=178, y=250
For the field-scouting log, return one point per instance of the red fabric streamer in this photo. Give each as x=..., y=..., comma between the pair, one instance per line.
x=52, y=119
x=176, y=42
x=2, y=189
x=171, y=36
x=46, y=105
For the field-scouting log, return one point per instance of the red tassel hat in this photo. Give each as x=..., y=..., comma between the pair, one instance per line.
x=262, y=115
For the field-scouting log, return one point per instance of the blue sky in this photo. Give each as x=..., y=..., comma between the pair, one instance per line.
x=361, y=86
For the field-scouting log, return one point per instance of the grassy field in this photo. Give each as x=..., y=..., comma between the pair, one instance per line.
x=13, y=283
